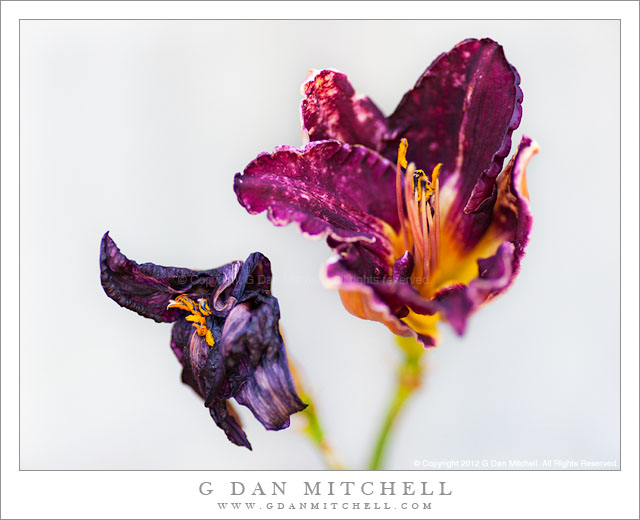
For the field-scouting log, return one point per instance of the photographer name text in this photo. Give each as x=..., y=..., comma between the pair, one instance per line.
x=330, y=488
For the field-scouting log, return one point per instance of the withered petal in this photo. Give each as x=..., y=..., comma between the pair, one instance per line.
x=147, y=288
x=254, y=355
x=246, y=359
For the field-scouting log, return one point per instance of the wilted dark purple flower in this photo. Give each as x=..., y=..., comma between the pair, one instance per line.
x=412, y=247
x=225, y=333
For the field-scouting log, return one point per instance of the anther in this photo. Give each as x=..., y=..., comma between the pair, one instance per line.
x=402, y=152
x=197, y=316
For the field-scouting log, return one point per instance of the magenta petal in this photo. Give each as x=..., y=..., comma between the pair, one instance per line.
x=461, y=113
x=403, y=267
x=369, y=306
x=345, y=191
x=332, y=110
x=512, y=213
x=495, y=275
x=355, y=263
x=512, y=219
x=464, y=106
x=374, y=297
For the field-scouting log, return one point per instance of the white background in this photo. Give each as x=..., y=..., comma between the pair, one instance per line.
x=138, y=127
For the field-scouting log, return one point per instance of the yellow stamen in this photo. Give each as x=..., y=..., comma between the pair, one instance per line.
x=425, y=239
x=182, y=302
x=402, y=152
x=401, y=163
x=412, y=213
x=197, y=316
x=436, y=204
x=204, y=307
x=420, y=225
x=435, y=173
x=432, y=237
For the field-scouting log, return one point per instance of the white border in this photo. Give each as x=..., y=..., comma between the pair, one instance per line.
x=175, y=494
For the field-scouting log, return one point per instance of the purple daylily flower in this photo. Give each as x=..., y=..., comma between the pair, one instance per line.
x=412, y=247
x=225, y=333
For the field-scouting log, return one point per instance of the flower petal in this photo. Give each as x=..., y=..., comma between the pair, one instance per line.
x=256, y=362
x=393, y=287
x=508, y=236
x=147, y=288
x=199, y=362
x=180, y=337
x=360, y=299
x=381, y=299
x=461, y=113
x=403, y=267
x=328, y=187
x=495, y=276
x=234, y=350
x=332, y=110
x=254, y=278
x=512, y=218
x=224, y=416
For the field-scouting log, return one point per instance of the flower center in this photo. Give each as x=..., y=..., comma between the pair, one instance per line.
x=418, y=202
x=198, y=311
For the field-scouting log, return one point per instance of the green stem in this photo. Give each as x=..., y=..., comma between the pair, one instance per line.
x=408, y=381
x=315, y=433
x=313, y=429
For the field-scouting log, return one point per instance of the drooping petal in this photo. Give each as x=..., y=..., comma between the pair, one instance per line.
x=180, y=337
x=199, y=358
x=332, y=110
x=269, y=393
x=228, y=343
x=256, y=363
x=147, y=288
x=204, y=369
x=328, y=187
x=495, y=275
x=224, y=416
x=461, y=113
